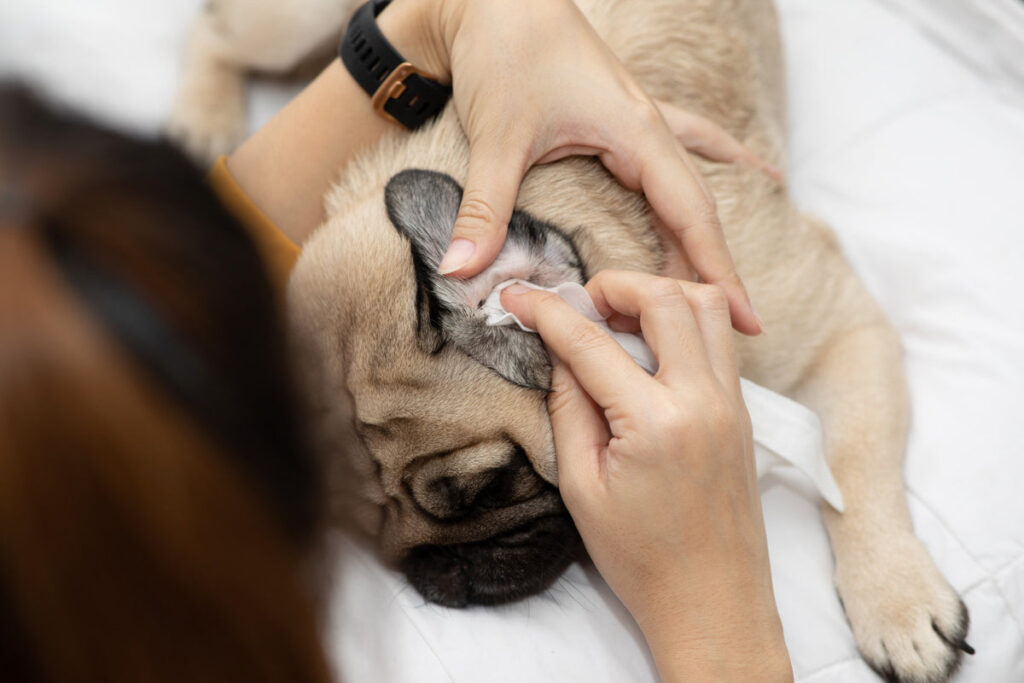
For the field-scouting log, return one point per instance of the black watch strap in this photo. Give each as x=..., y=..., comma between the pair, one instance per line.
x=399, y=91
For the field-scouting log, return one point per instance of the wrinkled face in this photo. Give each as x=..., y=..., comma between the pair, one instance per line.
x=466, y=516
x=454, y=469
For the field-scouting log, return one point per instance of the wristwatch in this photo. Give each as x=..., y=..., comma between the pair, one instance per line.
x=398, y=90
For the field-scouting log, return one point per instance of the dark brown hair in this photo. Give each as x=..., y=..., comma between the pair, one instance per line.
x=156, y=498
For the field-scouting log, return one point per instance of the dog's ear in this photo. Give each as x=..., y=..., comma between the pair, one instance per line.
x=423, y=206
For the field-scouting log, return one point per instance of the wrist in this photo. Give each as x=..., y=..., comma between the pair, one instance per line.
x=756, y=654
x=415, y=29
x=716, y=633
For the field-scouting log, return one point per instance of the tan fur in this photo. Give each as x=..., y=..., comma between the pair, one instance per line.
x=232, y=38
x=383, y=402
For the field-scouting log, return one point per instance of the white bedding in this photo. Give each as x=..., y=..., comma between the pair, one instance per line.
x=913, y=152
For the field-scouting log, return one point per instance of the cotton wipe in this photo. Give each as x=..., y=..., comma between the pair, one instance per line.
x=785, y=432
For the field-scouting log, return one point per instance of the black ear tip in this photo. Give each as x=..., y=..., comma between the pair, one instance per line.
x=423, y=205
x=406, y=176
x=421, y=180
x=399, y=182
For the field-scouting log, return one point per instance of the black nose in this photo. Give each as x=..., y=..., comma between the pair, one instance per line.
x=505, y=568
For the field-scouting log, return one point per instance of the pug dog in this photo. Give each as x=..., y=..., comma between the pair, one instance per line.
x=434, y=423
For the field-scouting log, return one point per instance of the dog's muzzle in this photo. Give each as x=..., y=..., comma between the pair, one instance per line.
x=505, y=568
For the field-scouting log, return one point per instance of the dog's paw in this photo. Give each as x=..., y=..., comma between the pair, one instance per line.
x=207, y=126
x=909, y=624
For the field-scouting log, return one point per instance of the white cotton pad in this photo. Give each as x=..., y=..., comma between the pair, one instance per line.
x=576, y=296
x=785, y=432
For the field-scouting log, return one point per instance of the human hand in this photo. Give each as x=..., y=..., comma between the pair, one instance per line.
x=658, y=472
x=534, y=83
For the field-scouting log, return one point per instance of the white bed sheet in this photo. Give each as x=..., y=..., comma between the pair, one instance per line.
x=914, y=155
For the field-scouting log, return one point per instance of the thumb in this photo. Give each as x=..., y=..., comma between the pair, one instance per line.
x=492, y=183
x=581, y=435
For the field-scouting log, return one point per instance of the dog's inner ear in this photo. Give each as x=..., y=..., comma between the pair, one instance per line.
x=423, y=206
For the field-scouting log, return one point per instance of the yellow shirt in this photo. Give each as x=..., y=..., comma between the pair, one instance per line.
x=279, y=252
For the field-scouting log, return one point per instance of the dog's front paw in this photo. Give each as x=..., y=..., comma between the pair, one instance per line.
x=208, y=123
x=910, y=625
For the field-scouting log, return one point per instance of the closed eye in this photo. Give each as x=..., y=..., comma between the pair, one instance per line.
x=505, y=486
x=457, y=485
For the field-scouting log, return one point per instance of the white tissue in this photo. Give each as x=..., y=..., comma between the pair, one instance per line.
x=785, y=432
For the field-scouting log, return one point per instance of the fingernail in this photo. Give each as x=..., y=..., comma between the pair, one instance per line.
x=517, y=289
x=458, y=254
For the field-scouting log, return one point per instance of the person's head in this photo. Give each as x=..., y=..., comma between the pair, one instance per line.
x=156, y=496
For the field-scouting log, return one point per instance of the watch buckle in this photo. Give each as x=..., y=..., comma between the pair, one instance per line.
x=393, y=86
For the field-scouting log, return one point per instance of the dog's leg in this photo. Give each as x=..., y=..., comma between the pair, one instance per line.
x=209, y=112
x=229, y=39
x=908, y=622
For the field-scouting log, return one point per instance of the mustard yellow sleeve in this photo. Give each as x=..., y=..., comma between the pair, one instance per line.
x=279, y=252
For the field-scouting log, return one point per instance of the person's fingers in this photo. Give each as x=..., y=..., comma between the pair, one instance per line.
x=677, y=264
x=620, y=296
x=679, y=201
x=623, y=323
x=581, y=434
x=668, y=324
x=673, y=187
x=711, y=311
x=492, y=183
x=602, y=367
x=706, y=138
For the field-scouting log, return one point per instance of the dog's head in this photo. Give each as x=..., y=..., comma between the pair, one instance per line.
x=436, y=422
